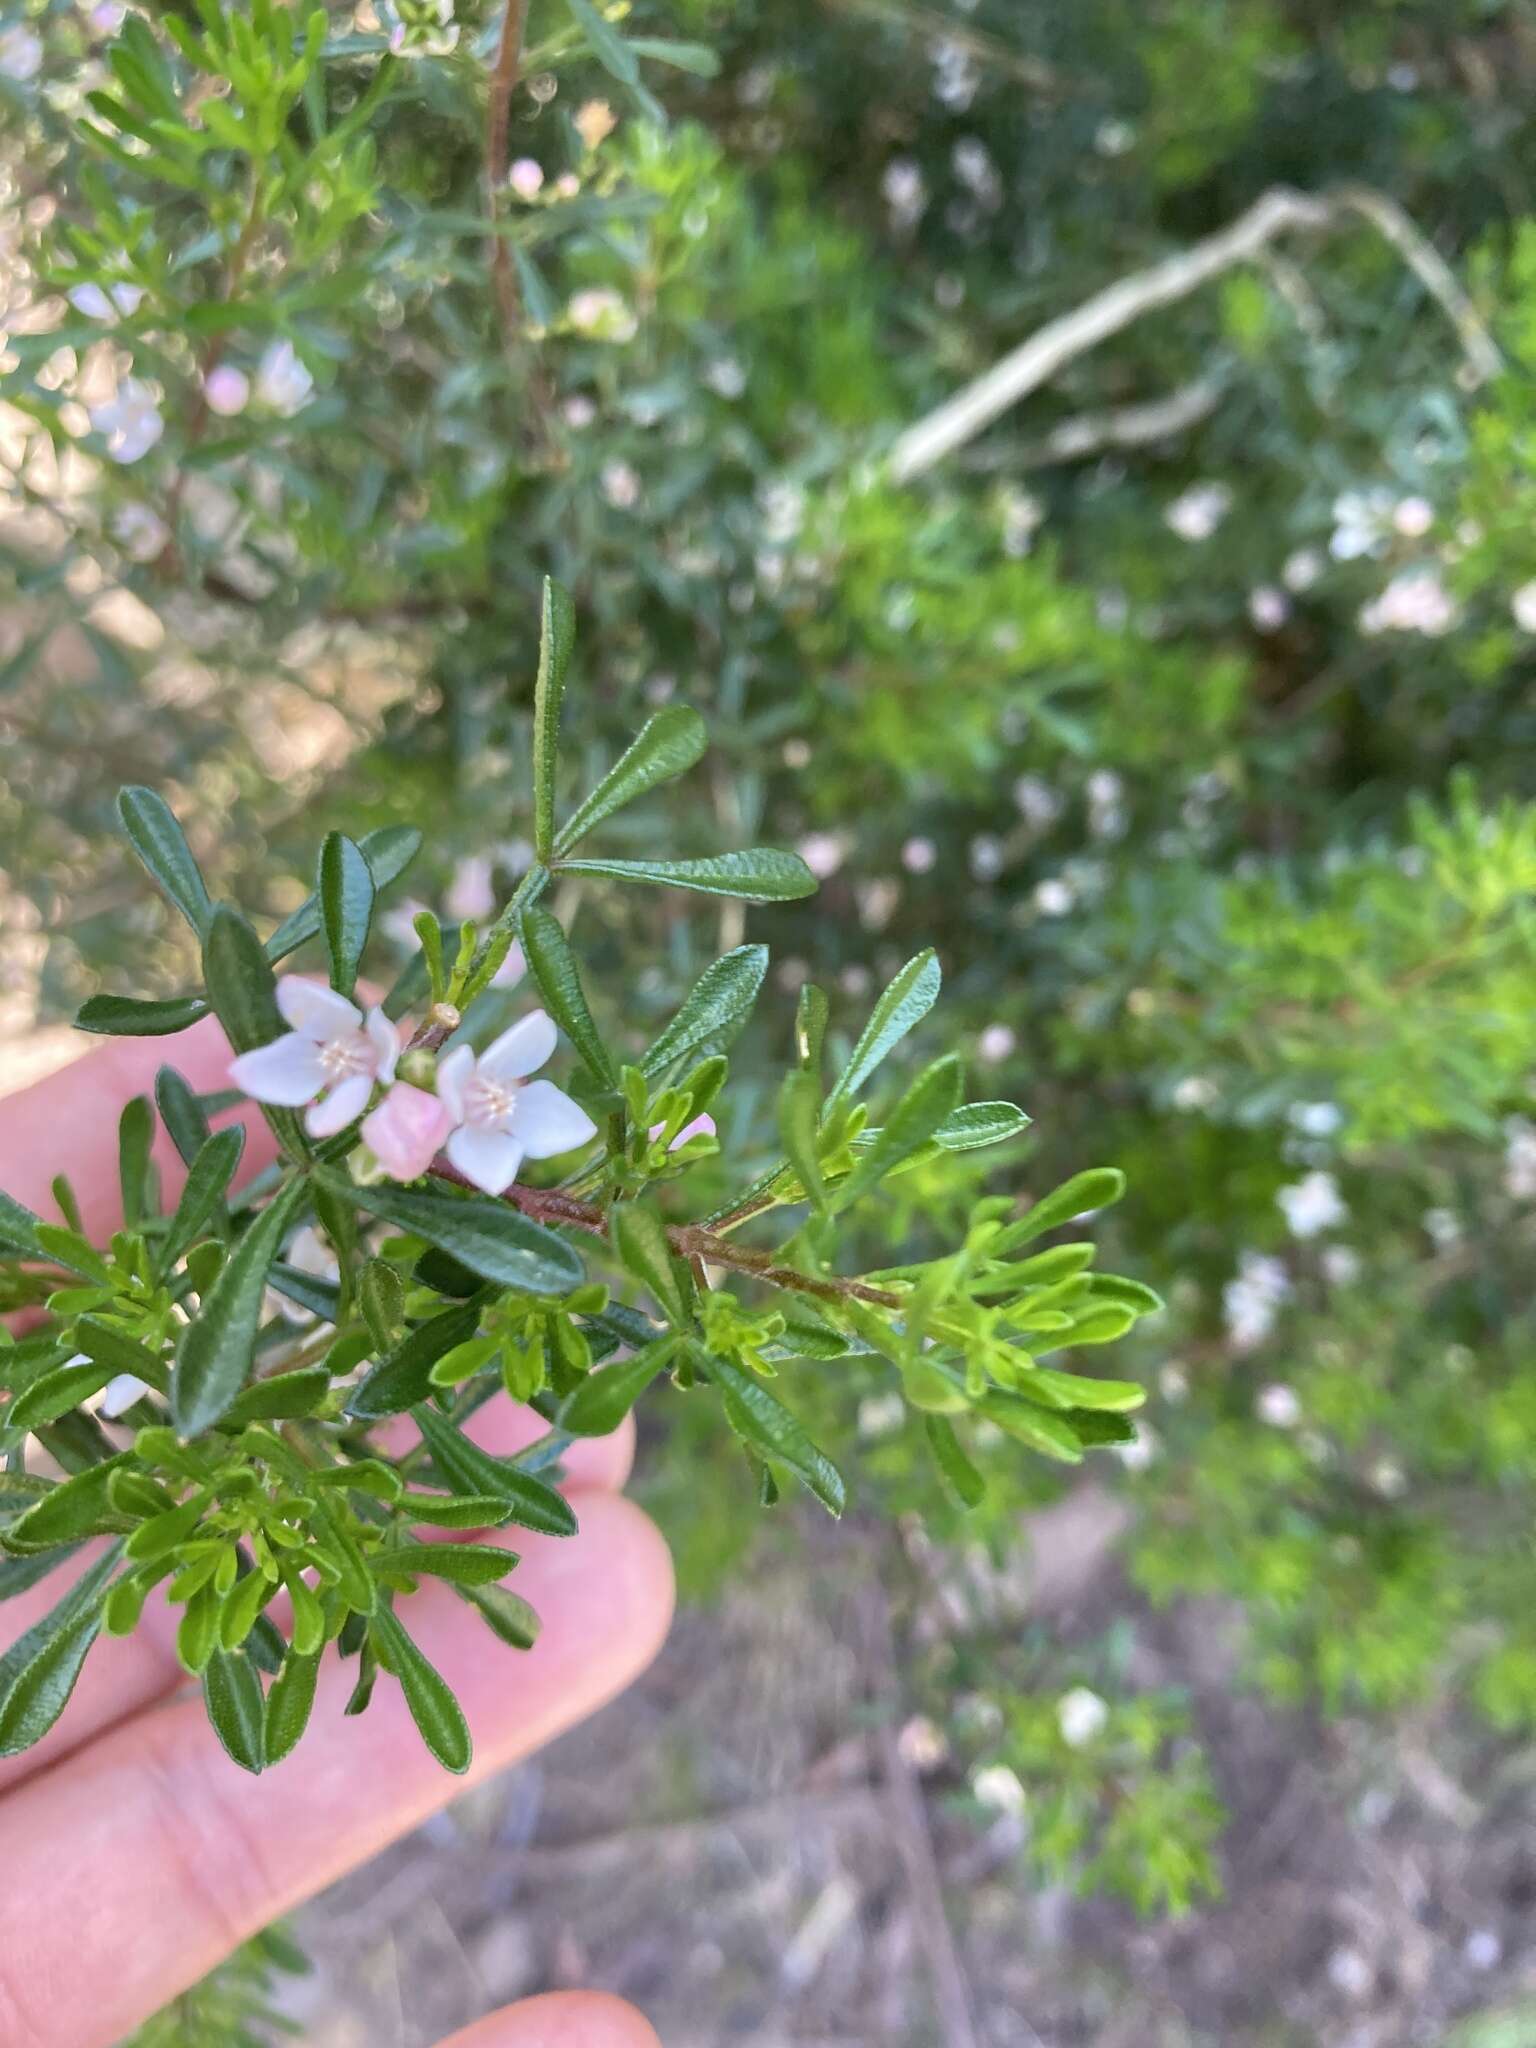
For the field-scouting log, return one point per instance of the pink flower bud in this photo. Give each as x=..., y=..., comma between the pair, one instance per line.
x=406, y=1131
x=703, y=1126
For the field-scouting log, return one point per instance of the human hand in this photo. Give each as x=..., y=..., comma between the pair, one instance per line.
x=133, y=1870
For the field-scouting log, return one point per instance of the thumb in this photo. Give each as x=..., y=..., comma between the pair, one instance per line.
x=565, y=2019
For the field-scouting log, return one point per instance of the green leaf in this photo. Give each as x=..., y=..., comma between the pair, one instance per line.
x=605, y=1396
x=554, y=968
x=404, y=1377
x=18, y=1229
x=283, y=1398
x=38, y=1671
x=126, y=1017
x=388, y=852
x=1075, y=1390
x=933, y=1096
x=346, y=894
x=437, y=1714
x=185, y=1119
x=666, y=746
x=810, y=1027
x=557, y=633
x=610, y=50
x=762, y=1422
x=1052, y=1435
x=506, y=1613
x=470, y=1470
x=760, y=874
x=160, y=843
x=462, y=1564
x=1095, y=1189
x=289, y=1705
x=961, y=1476
x=975, y=1124
x=640, y=1239
x=698, y=58
x=203, y=1196
x=233, y=1699
x=381, y=1296
x=1131, y=1293
x=76, y=1507
x=487, y=1236
x=55, y=1393
x=714, y=1010
x=904, y=1003
x=213, y=1359
x=135, y=1135
x=800, y=1131
x=243, y=993
x=114, y=1349
x=454, y=1511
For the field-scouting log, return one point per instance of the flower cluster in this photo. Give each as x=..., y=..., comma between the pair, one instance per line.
x=484, y=1111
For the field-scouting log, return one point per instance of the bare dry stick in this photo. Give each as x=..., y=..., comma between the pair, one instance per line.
x=1278, y=211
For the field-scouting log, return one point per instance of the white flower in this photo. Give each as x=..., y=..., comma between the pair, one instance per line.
x=986, y=857
x=1341, y=1265
x=227, y=390
x=282, y=381
x=602, y=314
x=1038, y=804
x=119, y=1394
x=726, y=376
x=1194, y=1091
x=822, y=853
x=105, y=305
x=1139, y=1453
x=1279, y=1406
x=904, y=191
x=1252, y=1300
x=1315, y=1119
x=918, y=856
x=1442, y=1227
x=130, y=419
x=1196, y=514
x=1312, y=1204
x=1520, y=1159
x=881, y=1414
x=502, y=1117
x=1522, y=606
x=1413, y=517
x=1054, y=897
x=1301, y=569
x=526, y=178
x=140, y=532
x=579, y=411
x=1000, y=1788
x=1268, y=608
x=1415, y=602
x=1362, y=524
x=996, y=1043
x=1113, y=138
x=922, y=1744
x=331, y=1053
x=1081, y=1716
x=107, y=17
x=470, y=894
x=21, y=52
x=621, y=485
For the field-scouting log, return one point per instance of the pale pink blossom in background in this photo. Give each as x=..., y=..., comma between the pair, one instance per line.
x=996, y=1043
x=227, y=390
x=282, y=381
x=918, y=856
x=1196, y=513
x=1415, y=602
x=1279, y=1406
x=526, y=178
x=823, y=853
x=407, y=1131
x=130, y=419
x=471, y=896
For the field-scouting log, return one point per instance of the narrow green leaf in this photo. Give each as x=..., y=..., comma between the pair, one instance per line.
x=214, y=1357
x=135, y=1135
x=437, y=1714
x=241, y=986
x=759, y=874
x=381, y=1296
x=932, y=1097
x=1052, y=1435
x=185, y=1119
x=290, y=1703
x=961, y=1476
x=1076, y=1390
x=346, y=893
x=609, y=48
x=454, y=1511
x=404, y=1376
x=55, y=1393
x=1095, y=1189
x=283, y=1398
x=76, y=1507
x=18, y=1229
x=506, y=1613
x=233, y=1699
x=762, y=1422
x=698, y=58
x=1130, y=1293
x=554, y=968
x=640, y=1239
x=799, y=1131
x=605, y=1396
x=38, y=1671
x=203, y=1195
x=666, y=746
x=810, y=1027
x=487, y=1236
x=557, y=634
x=158, y=840
x=975, y=1124
x=462, y=1564
x=904, y=1003
x=127, y=1017
x=113, y=1348
x=470, y=1470
x=714, y=1010
x=388, y=852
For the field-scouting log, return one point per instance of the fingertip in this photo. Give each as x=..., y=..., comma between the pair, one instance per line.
x=563, y=2019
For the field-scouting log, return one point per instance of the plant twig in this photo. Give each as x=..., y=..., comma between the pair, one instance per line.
x=1279, y=211
x=504, y=75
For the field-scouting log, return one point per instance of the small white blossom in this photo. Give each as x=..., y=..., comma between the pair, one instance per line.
x=130, y=420
x=986, y=856
x=918, y=856
x=823, y=853
x=1268, y=608
x=726, y=376
x=501, y=1117
x=881, y=1414
x=1520, y=1159
x=620, y=482
x=329, y=1059
x=1483, y=1949
x=904, y=191
x=1054, y=897
x=1194, y=1091
x=1315, y=1119
x=602, y=314
x=526, y=178
x=1362, y=524
x=997, y=1042
x=922, y=1744
x=1301, y=569
x=106, y=304
x=140, y=532
x=1252, y=1300
x=1081, y=1716
x=227, y=390
x=1341, y=1265
x=1522, y=606
x=1415, y=602
x=1442, y=1227
x=1196, y=514
x=1114, y=138
x=21, y=52
x=1413, y=517
x=1312, y=1205
x=579, y=411
x=282, y=382
x=1038, y=804
x=471, y=895
x=1000, y=1788
x=1279, y=1406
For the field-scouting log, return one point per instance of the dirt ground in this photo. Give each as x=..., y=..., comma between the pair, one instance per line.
x=739, y=1847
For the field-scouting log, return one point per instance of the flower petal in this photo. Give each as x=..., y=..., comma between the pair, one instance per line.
x=120, y=1395
x=489, y=1158
x=546, y=1121
x=455, y=1071
x=286, y=1072
x=522, y=1050
x=384, y=1037
x=406, y=1131
x=314, y=1009
x=344, y=1105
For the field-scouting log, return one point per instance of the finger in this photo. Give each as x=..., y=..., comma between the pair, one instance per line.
x=67, y=1123
x=155, y=1812
x=566, y=2019
x=125, y=1673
